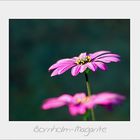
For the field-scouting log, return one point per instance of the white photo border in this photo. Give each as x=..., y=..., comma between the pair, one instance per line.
x=69, y=9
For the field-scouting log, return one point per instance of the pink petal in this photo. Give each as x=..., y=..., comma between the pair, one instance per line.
x=108, y=55
x=107, y=98
x=54, y=66
x=52, y=103
x=65, y=98
x=90, y=104
x=108, y=59
x=75, y=70
x=62, y=69
x=83, y=68
x=55, y=72
x=82, y=109
x=73, y=110
x=101, y=65
x=79, y=96
x=66, y=60
x=91, y=66
x=82, y=55
x=93, y=55
x=57, y=65
x=62, y=62
x=57, y=102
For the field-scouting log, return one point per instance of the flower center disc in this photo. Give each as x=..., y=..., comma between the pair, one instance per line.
x=83, y=60
x=83, y=100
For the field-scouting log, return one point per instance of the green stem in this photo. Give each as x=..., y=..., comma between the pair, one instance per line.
x=89, y=94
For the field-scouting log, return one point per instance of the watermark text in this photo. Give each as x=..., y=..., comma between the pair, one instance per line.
x=86, y=131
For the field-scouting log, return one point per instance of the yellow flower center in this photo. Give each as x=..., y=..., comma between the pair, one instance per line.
x=83, y=60
x=83, y=100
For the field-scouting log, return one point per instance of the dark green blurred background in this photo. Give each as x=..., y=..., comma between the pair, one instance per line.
x=36, y=44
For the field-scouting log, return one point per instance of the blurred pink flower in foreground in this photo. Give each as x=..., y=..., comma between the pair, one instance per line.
x=83, y=61
x=79, y=103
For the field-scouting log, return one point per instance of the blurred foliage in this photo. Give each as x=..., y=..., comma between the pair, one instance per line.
x=35, y=44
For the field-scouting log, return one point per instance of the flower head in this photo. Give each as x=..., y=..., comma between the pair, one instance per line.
x=80, y=103
x=83, y=61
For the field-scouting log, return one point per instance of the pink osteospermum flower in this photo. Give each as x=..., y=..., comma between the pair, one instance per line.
x=80, y=103
x=83, y=61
